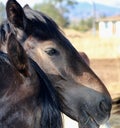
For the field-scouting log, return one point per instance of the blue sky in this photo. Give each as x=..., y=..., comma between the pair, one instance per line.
x=106, y=2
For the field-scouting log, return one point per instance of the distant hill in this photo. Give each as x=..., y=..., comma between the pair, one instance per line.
x=84, y=10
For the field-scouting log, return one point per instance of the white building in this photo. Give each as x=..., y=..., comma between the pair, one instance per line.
x=109, y=26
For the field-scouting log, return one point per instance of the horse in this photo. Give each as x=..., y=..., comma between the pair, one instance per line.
x=27, y=97
x=74, y=81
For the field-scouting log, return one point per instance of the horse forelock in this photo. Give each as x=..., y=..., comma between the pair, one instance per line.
x=43, y=24
x=45, y=27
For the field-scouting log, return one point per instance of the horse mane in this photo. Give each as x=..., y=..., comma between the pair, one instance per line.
x=50, y=107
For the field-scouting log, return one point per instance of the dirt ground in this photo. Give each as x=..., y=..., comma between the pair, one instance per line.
x=108, y=71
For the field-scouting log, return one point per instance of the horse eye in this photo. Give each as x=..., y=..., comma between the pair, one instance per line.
x=51, y=51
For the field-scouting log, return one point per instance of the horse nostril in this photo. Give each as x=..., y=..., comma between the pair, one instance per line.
x=104, y=106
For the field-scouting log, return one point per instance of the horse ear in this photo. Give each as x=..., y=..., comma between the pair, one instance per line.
x=26, y=6
x=15, y=14
x=17, y=55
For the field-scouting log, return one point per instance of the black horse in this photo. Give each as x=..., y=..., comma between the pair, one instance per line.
x=27, y=98
x=76, y=84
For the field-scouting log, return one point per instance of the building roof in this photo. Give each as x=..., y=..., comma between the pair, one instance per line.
x=111, y=18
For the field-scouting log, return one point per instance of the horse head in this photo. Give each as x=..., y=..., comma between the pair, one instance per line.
x=83, y=96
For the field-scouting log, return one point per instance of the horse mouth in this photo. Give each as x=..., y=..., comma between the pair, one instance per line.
x=89, y=123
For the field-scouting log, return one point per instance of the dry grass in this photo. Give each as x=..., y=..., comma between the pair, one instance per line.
x=94, y=46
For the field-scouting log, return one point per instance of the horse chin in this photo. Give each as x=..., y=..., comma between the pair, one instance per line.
x=87, y=121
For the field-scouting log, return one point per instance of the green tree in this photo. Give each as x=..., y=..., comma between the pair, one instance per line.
x=51, y=11
x=83, y=24
x=86, y=24
x=89, y=22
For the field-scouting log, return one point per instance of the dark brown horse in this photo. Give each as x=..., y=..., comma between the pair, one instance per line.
x=27, y=98
x=83, y=96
